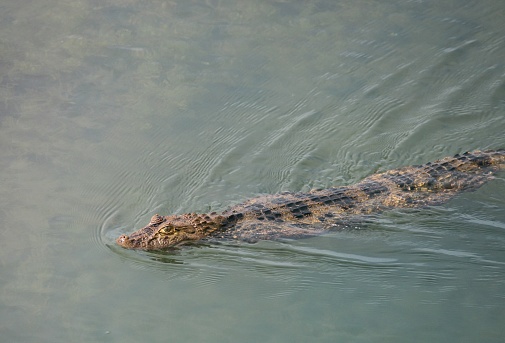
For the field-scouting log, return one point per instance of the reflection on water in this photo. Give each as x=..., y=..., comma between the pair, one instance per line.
x=113, y=111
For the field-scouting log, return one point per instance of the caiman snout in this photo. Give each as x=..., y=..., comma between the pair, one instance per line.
x=124, y=241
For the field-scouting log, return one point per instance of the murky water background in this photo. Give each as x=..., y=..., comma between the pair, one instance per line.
x=111, y=111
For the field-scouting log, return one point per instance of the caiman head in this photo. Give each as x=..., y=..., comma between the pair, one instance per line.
x=164, y=232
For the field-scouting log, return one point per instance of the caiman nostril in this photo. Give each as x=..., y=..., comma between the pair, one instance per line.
x=122, y=239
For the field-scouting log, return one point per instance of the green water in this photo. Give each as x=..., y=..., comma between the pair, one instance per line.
x=111, y=111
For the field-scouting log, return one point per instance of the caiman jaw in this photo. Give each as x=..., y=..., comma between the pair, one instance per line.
x=141, y=240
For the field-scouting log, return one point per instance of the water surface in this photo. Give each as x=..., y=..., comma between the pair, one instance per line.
x=112, y=111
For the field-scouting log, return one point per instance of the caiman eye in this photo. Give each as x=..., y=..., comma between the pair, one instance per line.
x=166, y=230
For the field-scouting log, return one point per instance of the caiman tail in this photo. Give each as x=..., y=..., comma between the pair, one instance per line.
x=436, y=182
x=292, y=215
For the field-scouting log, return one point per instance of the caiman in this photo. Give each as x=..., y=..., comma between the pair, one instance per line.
x=293, y=215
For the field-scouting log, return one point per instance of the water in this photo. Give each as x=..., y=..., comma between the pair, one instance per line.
x=113, y=111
